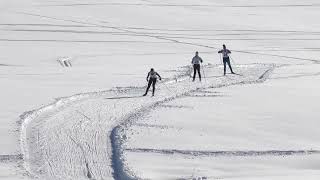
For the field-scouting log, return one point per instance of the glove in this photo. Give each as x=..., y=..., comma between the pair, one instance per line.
x=160, y=79
x=147, y=80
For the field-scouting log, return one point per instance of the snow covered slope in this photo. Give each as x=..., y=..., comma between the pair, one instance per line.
x=113, y=43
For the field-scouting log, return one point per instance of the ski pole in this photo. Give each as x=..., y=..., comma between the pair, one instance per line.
x=232, y=60
x=204, y=76
x=167, y=87
x=190, y=73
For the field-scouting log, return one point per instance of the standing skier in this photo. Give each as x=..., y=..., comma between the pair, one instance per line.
x=226, y=59
x=196, y=60
x=152, y=79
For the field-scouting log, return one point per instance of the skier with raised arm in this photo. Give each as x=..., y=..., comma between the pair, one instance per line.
x=196, y=60
x=152, y=80
x=226, y=59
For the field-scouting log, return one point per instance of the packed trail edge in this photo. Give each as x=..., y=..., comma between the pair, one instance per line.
x=82, y=136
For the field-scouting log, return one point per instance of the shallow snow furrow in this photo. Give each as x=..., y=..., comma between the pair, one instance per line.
x=298, y=76
x=81, y=137
x=5, y=158
x=225, y=153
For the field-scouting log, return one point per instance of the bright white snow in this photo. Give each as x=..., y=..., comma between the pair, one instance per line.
x=264, y=131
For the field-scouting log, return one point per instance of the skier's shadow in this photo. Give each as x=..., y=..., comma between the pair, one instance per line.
x=214, y=76
x=123, y=97
x=219, y=76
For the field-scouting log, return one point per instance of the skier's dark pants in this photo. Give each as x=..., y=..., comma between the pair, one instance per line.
x=196, y=67
x=225, y=61
x=152, y=81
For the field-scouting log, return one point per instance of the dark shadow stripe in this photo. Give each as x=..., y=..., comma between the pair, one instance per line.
x=152, y=126
x=44, y=25
x=77, y=41
x=6, y=158
x=181, y=5
x=225, y=153
x=124, y=97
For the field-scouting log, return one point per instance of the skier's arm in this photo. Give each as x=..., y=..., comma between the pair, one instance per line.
x=148, y=76
x=192, y=60
x=201, y=60
x=220, y=51
x=229, y=52
x=159, y=76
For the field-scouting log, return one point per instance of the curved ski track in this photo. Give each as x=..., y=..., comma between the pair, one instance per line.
x=81, y=136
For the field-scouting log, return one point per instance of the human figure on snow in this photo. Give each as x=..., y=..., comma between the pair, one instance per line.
x=152, y=80
x=226, y=59
x=196, y=60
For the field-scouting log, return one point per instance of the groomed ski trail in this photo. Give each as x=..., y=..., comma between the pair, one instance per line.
x=81, y=137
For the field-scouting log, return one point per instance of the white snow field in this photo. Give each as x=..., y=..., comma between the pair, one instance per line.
x=72, y=73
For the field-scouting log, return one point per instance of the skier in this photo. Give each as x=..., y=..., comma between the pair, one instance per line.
x=226, y=59
x=152, y=79
x=196, y=60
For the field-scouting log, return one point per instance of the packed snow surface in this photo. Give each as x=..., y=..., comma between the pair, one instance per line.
x=78, y=137
x=72, y=73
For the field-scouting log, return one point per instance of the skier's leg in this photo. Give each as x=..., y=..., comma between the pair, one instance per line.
x=149, y=85
x=199, y=73
x=194, y=71
x=224, y=66
x=229, y=64
x=154, y=81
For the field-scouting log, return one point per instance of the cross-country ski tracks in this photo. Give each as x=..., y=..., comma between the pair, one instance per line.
x=81, y=137
x=225, y=153
x=134, y=32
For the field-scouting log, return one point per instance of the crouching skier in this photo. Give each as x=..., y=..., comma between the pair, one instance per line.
x=196, y=60
x=152, y=80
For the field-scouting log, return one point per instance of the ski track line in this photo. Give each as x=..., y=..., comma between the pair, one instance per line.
x=9, y=158
x=81, y=136
x=225, y=153
x=182, y=5
x=134, y=32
